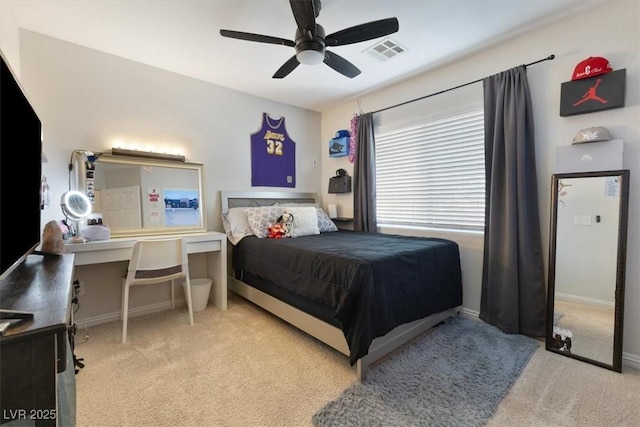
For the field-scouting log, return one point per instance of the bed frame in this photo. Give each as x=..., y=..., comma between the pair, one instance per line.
x=313, y=326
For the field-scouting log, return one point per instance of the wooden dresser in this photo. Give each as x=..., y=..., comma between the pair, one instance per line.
x=34, y=354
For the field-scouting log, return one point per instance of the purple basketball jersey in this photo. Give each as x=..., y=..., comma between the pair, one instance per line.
x=273, y=155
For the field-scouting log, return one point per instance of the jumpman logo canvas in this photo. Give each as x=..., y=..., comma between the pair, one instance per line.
x=602, y=92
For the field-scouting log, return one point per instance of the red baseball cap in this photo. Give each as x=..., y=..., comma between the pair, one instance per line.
x=592, y=66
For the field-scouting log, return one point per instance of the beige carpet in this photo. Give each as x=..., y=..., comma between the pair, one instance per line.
x=244, y=367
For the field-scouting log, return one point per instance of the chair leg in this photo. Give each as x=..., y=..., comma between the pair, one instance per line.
x=125, y=310
x=122, y=299
x=173, y=297
x=187, y=292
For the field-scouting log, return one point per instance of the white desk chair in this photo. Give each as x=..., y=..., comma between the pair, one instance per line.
x=156, y=261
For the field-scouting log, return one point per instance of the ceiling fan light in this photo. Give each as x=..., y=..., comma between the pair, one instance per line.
x=310, y=57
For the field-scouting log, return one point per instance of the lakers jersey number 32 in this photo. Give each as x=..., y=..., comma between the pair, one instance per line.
x=273, y=155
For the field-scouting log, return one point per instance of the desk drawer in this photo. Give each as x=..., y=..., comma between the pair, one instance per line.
x=204, y=246
x=104, y=255
x=123, y=254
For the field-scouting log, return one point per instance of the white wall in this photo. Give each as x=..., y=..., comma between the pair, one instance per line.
x=9, y=37
x=612, y=32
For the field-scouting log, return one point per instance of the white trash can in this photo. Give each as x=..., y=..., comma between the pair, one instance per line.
x=200, y=289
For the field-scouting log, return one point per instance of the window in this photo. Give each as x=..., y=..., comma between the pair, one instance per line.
x=430, y=172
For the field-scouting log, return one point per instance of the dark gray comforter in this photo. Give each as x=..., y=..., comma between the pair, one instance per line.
x=373, y=282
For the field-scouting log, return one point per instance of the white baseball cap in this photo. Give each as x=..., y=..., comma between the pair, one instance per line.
x=592, y=134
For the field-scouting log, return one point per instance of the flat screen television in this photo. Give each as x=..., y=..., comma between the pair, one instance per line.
x=20, y=173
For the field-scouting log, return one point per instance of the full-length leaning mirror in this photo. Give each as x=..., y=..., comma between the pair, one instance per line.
x=137, y=196
x=587, y=257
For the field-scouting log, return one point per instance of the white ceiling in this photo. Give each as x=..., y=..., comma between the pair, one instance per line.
x=183, y=37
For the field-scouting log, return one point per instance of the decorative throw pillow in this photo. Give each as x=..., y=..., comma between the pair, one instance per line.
x=324, y=222
x=236, y=224
x=305, y=221
x=260, y=218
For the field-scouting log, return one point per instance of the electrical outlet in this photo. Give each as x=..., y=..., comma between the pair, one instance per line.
x=80, y=288
x=315, y=163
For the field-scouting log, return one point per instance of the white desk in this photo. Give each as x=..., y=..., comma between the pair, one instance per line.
x=119, y=249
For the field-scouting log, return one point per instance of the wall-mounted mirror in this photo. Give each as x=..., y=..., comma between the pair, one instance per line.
x=137, y=196
x=587, y=257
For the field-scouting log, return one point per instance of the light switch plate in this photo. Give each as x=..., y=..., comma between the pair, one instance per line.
x=582, y=220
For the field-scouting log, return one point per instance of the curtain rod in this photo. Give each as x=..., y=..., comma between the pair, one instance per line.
x=548, y=58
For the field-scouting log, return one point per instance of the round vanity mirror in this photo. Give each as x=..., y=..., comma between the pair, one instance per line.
x=76, y=206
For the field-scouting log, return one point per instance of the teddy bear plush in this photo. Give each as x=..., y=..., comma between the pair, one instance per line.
x=286, y=220
x=561, y=339
x=276, y=231
x=282, y=228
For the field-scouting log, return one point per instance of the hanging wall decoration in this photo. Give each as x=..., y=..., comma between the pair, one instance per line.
x=593, y=87
x=273, y=155
x=352, y=140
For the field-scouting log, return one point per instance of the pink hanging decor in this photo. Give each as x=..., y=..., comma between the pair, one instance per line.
x=352, y=140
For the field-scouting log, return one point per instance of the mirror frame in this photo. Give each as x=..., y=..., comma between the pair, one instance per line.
x=151, y=231
x=69, y=202
x=616, y=364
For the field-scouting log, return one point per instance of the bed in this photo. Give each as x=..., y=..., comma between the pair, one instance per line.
x=364, y=294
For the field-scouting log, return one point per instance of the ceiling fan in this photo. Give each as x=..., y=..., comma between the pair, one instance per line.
x=310, y=40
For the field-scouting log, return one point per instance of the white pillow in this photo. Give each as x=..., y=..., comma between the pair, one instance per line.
x=236, y=224
x=262, y=217
x=305, y=220
x=325, y=223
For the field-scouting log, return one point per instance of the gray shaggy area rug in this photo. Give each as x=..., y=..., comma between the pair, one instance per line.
x=453, y=375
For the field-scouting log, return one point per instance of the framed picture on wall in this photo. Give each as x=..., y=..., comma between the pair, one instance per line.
x=339, y=147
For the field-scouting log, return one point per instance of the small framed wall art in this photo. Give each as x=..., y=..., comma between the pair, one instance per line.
x=339, y=146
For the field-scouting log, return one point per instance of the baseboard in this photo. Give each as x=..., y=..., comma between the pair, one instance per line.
x=470, y=313
x=592, y=301
x=631, y=360
x=139, y=311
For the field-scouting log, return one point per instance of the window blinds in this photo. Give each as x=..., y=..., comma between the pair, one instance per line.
x=430, y=172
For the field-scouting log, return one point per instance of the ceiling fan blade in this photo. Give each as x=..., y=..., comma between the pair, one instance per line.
x=362, y=32
x=287, y=68
x=305, y=13
x=340, y=64
x=256, y=38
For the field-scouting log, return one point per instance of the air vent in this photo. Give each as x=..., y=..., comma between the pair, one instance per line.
x=386, y=49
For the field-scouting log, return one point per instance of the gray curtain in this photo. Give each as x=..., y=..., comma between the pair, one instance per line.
x=513, y=289
x=364, y=176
